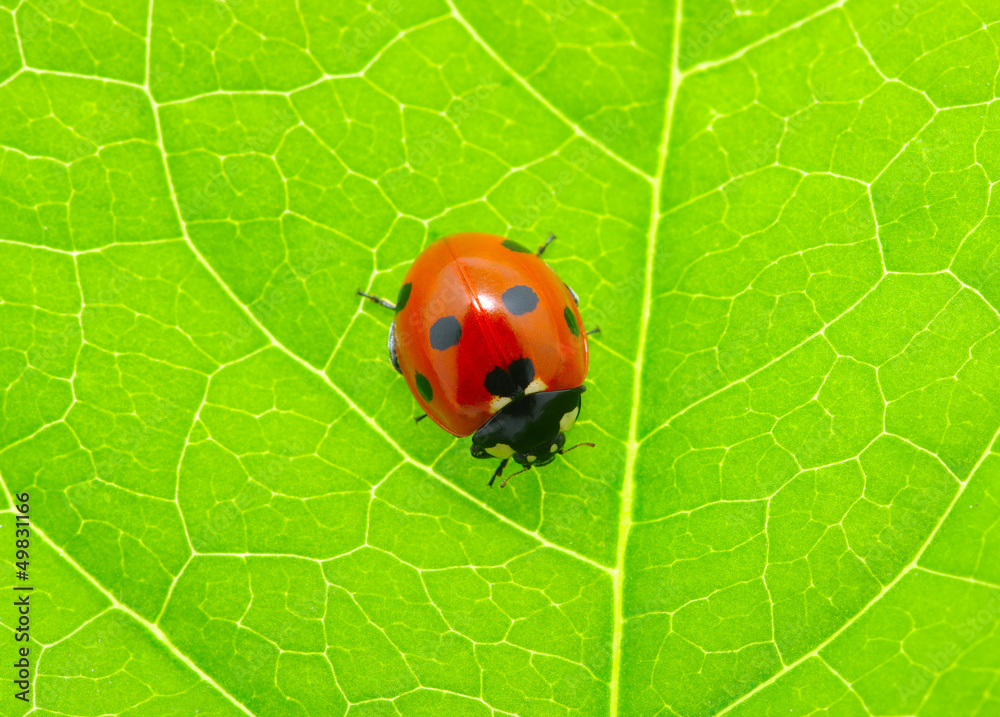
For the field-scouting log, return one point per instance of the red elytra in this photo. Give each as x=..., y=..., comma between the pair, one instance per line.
x=472, y=303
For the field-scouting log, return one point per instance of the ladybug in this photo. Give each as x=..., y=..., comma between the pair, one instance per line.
x=491, y=343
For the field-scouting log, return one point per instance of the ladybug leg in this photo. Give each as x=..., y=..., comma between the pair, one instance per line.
x=542, y=248
x=595, y=330
x=498, y=472
x=419, y=418
x=378, y=300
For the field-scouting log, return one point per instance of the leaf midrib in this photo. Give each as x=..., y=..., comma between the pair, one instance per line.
x=625, y=518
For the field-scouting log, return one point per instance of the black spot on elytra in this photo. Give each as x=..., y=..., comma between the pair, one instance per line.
x=404, y=296
x=499, y=383
x=424, y=386
x=514, y=246
x=445, y=333
x=522, y=371
x=510, y=381
x=520, y=300
x=571, y=321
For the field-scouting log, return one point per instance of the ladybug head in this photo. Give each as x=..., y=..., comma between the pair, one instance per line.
x=545, y=453
x=531, y=430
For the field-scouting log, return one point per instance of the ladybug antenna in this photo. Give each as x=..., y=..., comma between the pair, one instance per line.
x=513, y=474
x=589, y=445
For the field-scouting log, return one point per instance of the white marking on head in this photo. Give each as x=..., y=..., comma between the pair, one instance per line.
x=500, y=450
x=567, y=421
x=535, y=386
x=498, y=402
x=531, y=459
x=553, y=448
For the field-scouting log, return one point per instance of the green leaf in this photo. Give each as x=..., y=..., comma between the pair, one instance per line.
x=779, y=213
